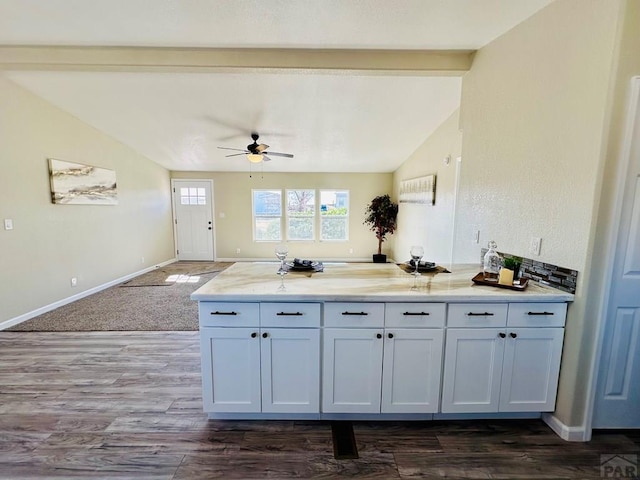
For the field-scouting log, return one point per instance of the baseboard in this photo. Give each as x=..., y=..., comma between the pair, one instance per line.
x=52, y=306
x=565, y=432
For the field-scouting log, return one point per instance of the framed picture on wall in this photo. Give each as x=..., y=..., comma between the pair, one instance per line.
x=80, y=184
x=418, y=190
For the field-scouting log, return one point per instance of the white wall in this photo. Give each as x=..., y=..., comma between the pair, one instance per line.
x=534, y=109
x=232, y=196
x=430, y=225
x=52, y=243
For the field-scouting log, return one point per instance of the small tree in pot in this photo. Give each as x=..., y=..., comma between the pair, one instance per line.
x=381, y=217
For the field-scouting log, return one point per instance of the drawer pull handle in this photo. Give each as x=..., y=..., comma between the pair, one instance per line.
x=485, y=314
x=502, y=334
x=540, y=313
x=289, y=314
x=513, y=335
x=416, y=313
x=355, y=313
x=224, y=313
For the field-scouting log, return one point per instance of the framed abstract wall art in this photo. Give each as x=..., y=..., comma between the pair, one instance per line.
x=418, y=190
x=79, y=184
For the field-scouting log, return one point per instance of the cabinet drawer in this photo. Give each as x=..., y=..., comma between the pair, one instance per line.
x=400, y=315
x=353, y=314
x=297, y=315
x=537, y=314
x=229, y=314
x=477, y=315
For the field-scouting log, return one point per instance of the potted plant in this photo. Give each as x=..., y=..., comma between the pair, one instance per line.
x=381, y=217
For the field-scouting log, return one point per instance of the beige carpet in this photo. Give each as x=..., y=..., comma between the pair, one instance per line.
x=147, y=307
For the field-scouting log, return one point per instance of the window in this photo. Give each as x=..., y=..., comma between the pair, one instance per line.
x=334, y=215
x=192, y=196
x=267, y=215
x=301, y=211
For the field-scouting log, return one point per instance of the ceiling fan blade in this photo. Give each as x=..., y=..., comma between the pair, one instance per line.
x=276, y=154
x=236, y=149
x=262, y=147
x=236, y=154
x=265, y=158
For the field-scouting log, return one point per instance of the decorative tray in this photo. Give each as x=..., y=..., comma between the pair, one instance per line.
x=479, y=280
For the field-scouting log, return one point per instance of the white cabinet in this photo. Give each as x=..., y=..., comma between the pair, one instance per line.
x=230, y=369
x=411, y=370
x=513, y=368
x=376, y=370
x=530, y=370
x=290, y=370
x=352, y=367
x=251, y=369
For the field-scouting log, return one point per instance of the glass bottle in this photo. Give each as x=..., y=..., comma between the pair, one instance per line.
x=492, y=263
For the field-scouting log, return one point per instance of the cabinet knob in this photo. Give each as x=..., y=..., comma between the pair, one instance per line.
x=502, y=334
x=265, y=335
x=378, y=335
x=390, y=335
x=513, y=335
x=254, y=335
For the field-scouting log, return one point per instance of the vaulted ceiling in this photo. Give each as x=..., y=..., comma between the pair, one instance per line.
x=346, y=86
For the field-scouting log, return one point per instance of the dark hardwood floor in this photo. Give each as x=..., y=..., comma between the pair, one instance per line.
x=127, y=405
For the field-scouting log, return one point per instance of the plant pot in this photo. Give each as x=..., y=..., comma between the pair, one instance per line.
x=379, y=258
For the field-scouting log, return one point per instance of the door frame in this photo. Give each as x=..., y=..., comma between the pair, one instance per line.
x=624, y=157
x=173, y=213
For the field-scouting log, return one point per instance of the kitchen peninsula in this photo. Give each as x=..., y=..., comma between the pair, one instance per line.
x=355, y=341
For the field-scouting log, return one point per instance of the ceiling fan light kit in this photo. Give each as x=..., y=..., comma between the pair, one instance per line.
x=254, y=157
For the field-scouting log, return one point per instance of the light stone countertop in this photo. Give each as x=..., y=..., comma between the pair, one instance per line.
x=358, y=282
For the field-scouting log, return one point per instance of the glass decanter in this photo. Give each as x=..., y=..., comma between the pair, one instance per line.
x=492, y=263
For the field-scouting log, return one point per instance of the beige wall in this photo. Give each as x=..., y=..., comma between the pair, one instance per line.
x=430, y=225
x=534, y=108
x=52, y=243
x=232, y=197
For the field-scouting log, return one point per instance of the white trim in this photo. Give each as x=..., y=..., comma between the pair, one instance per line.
x=325, y=260
x=565, y=432
x=52, y=306
x=612, y=241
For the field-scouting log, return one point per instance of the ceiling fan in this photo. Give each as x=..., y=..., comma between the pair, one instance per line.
x=256, y=152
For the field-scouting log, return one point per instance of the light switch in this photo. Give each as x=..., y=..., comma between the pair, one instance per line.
x=8, y=224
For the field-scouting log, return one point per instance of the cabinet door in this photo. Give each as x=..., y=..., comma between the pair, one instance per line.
x=290, y=370
x=472, y=370
x=230, y=369
x=411, y=370
x=530, y=370
x=352, y=370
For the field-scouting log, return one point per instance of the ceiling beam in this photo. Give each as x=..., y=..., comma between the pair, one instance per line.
x=153, y=59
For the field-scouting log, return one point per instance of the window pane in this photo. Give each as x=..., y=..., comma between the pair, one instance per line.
x=184, y=200
x=301, y=202
x=300, y=228
x=202, y=201
x=193, y=200
x=334, y=228
x=267, y=229
x=201, y=192
x=334, y=202
x=267, y=202
x=193, y=191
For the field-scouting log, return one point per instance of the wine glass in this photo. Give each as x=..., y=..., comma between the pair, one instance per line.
x=416, y=254
x=281, y=252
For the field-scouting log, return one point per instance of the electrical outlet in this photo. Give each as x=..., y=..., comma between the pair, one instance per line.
x=74, y=281
x=534, y=245
x=141, y=259
x=476, y=236
x=8, y=224
x=350, y=250
x=237, y=250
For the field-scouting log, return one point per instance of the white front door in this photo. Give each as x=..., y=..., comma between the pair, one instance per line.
x=193, y=209
x=617, y=403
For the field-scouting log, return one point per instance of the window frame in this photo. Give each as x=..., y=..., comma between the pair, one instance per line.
x=312, y=216
x=254, y=216
x=346, y=216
